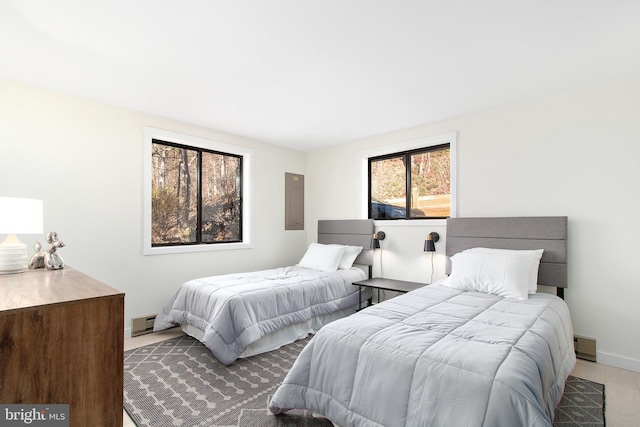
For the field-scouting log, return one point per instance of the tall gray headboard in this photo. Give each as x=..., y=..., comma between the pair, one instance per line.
x=354, y=232
x=548, y=233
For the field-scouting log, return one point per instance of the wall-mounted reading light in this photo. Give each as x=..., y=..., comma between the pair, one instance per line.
x=430, y=243
x=375, y=240
x=375, y=244
x=430, y=246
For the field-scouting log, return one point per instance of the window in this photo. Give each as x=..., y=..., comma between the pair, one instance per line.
x=196, y=197
x=413, y=180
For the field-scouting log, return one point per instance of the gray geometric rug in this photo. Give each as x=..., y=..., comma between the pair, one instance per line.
x=582, y=404
x=178, y=382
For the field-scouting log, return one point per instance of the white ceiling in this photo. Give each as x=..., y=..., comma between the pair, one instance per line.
x=307, y=74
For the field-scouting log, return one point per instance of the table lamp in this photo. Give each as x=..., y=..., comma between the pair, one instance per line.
x=17, y=216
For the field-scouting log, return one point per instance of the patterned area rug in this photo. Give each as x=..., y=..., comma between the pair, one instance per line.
x=178, y=382
x=582, y=404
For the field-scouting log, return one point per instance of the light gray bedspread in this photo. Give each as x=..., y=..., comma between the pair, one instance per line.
x=437, y=357
x=236, y=310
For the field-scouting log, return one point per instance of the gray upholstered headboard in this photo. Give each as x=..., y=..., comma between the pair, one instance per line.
x=548, y=233
x=354, y=232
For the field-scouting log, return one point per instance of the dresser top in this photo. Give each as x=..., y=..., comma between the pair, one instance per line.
x=40, y=287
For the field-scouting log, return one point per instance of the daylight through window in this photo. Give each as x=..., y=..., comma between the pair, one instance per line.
x=196, y=195
x=413, y=184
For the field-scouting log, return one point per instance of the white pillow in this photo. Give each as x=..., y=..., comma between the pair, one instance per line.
x=536, y=254
x=349, y=256
x=322, y=257
x=499, y=274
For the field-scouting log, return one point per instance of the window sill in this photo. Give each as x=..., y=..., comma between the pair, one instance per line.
x=409, y=223
x=163, y=250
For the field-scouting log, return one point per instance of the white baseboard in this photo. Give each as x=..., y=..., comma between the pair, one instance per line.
x=127, y=332
x=618, y=361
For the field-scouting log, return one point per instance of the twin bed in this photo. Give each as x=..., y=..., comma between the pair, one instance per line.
x=243, y=314
x=479, y=348
x=451, y=354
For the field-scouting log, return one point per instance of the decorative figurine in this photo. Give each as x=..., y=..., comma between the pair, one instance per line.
x=52, y=260
x=37, y=260
x=49, y=259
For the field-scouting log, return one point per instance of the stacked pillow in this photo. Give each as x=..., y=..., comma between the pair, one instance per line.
x=349, y=256
x=504, y=272
x=329, y=257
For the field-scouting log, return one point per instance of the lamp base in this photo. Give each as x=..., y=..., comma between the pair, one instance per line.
x=13, y=255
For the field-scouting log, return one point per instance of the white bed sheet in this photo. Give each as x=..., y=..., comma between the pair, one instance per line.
x=283, y=336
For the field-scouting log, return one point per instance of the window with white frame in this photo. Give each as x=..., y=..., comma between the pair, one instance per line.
x=411, y=181
x=195, y=194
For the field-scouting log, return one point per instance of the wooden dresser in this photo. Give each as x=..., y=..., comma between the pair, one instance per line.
x=62, y=341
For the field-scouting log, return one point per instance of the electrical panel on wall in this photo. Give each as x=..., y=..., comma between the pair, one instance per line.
x=294, y=201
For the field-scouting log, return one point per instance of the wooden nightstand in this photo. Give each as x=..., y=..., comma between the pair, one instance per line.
x=381, y=283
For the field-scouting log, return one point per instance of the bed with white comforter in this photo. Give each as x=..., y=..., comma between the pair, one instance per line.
x=236, y=310
x=437, y=356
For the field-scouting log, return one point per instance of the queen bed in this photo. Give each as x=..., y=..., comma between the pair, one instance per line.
x=479, y=348
x=243, y=314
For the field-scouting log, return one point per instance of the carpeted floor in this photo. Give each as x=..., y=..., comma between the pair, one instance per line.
x=178, y=382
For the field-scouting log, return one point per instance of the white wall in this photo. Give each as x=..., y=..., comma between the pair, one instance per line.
x=84, y=160
x=576, y=154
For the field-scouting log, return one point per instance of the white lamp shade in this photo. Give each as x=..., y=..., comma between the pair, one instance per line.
x=21, y=216
x=17, y=216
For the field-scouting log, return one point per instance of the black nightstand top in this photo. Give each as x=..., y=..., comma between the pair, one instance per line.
x=390, y=284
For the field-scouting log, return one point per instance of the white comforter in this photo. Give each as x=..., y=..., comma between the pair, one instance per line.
x=236, y=310
x=437, y=357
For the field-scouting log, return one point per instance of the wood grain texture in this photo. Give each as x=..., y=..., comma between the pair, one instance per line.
x=62, y=341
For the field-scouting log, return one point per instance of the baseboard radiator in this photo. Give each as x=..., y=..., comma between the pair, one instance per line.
x=585, y=348
x=142, y=325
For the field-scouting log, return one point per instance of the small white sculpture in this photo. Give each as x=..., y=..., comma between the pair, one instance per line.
x=49, y=259
x=37, y=260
